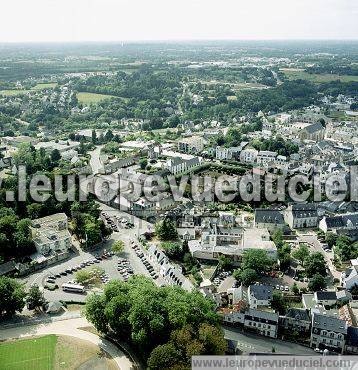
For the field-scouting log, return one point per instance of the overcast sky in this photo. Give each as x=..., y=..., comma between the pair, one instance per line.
x=120, y=20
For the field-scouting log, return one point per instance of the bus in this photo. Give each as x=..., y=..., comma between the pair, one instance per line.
x=74, y=288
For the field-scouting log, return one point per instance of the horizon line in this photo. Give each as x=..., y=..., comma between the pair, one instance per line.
x=178, y=40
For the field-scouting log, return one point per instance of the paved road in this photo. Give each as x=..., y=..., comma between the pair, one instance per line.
x=251, y=343
x=71, y=328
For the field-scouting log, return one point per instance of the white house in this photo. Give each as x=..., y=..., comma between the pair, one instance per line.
x=248, y=155
x=259, y=295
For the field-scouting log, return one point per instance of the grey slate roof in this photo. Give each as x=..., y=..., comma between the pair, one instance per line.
x=303, y=210
x=268, y=216
x=326, y=295
x=335, y=222
x=261, y=292
x=298, y=314
x=263, y=315
x=315, y=127
x=327, y=322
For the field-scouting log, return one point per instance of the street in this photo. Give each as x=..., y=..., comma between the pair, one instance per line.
x=252, y=343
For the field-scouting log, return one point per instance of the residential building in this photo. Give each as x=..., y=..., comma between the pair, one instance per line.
x=297, y=320
x=178, y=166
x=349, y=277
x=259, y=295
x=346, y=224
x=301, y=215
x=264, y=323
x=248, y=155
x=265, y=157
x=191, y=145
x=271, y=219
x=331, y=297
x=328, y=332
x=51, y=234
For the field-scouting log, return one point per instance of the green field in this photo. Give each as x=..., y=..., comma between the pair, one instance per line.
x=296, y=74
x=43, y=86
x=92, y=98
x=13, y=92
x=28, y=354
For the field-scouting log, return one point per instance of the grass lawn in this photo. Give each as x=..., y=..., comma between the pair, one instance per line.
x=296, y=74
x=92, y=98
x=28, y=354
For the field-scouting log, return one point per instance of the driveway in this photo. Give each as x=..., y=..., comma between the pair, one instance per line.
x=70, y=328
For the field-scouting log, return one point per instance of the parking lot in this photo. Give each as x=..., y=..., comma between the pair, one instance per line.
x=114, y=267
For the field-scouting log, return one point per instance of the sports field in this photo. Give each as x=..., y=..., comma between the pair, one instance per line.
x=53, y=352
x=28, y=354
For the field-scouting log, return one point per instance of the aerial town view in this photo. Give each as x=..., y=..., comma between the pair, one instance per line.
x=178, y=184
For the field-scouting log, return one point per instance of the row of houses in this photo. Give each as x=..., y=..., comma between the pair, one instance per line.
x=322, y=329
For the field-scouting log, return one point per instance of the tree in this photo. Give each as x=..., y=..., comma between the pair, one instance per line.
x=278, y=302
x=55, y=156
x=225, y=263
x=331, y=239
x=185, y=343
x=94, y=312
x=92, y=233
x=143, y=163
x=118, y=247
x=256, y=259
x=12, y=295
x=247, y=276
x=83, y=276
x=345, y=249
x=295, y=289
x=35, y=298
x=146, y=315
x=318, y=282
x=315, y=264
x=301, y=254
x=94, y=137
x=173, y=250
x=166, y=230
x=164, y=356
